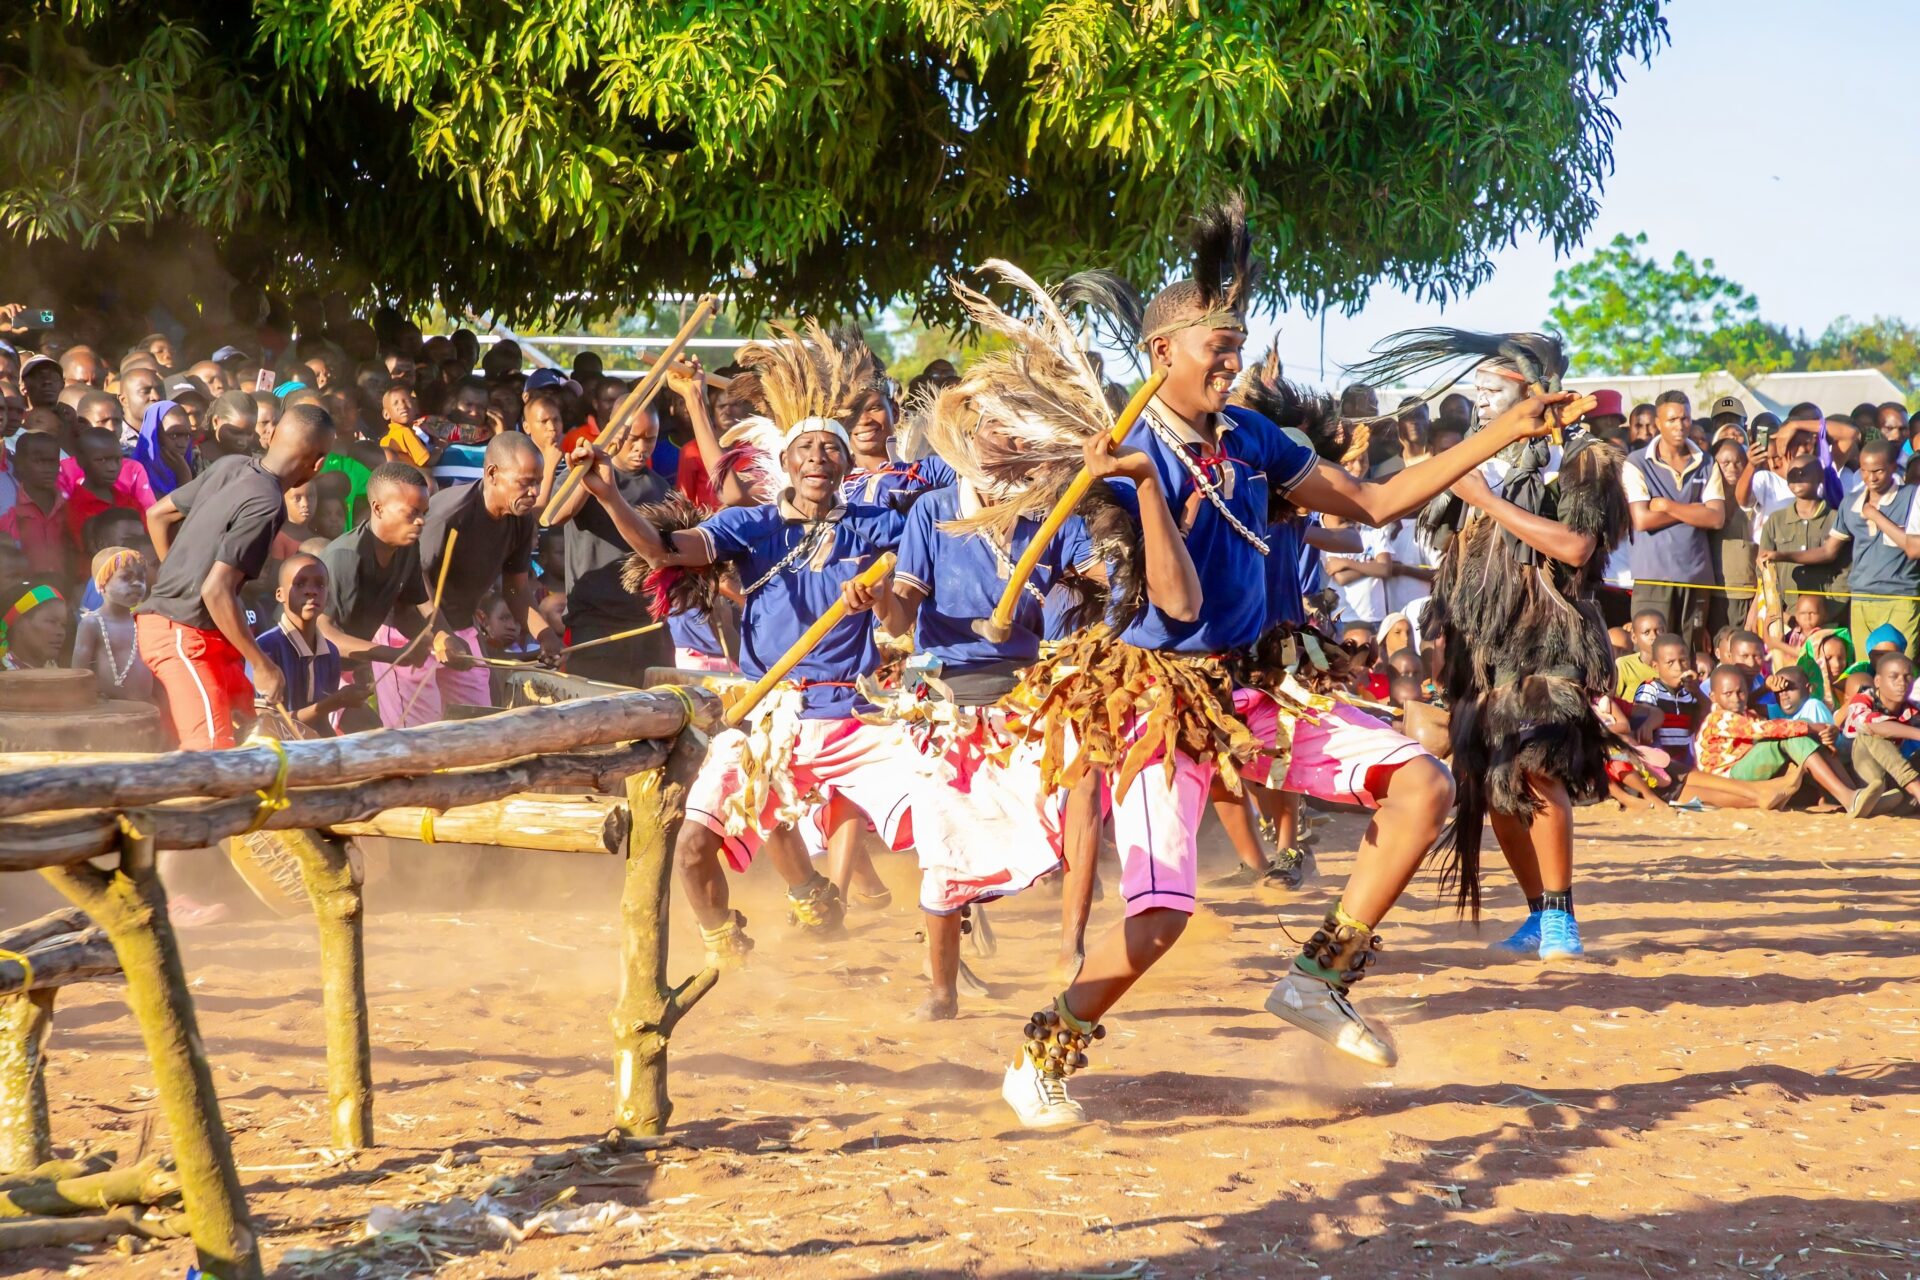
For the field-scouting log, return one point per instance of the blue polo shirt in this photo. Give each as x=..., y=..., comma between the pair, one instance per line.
x=885, y=486
x=1233, y=574
x=754, y=540
x=693, y=629
x=963, y=579
x=1880, y=566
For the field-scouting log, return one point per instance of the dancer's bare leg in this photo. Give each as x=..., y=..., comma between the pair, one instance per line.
x=1080, y=826
x=1237, y=821
x=943, y=969
x=1404, y=827
x=1120, y=958
x=1732, y=793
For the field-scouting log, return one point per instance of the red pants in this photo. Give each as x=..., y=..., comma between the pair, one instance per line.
x=201, y=677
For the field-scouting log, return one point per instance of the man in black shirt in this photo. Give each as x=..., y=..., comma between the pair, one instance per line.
x=597, y=604
x=496, y=525
x=373, y=574
x=212, y=536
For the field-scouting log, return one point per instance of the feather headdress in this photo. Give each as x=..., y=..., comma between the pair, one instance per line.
x=1016, y=423
x=1224, y=277
x=1539, y=358
x=805, y=373
x=1265, y=390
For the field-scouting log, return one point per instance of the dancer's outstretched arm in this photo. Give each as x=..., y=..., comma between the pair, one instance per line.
x=1548, y=537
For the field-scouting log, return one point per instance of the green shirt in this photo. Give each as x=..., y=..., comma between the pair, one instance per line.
x=1788, y=530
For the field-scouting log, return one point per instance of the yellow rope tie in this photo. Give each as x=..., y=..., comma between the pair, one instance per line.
x=26, y=983
x=686, y=700
x=274, y=798
x=426, y=826
x=128, y=827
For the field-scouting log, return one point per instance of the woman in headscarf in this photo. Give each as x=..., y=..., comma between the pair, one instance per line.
x=33, y=630
x=165, y=446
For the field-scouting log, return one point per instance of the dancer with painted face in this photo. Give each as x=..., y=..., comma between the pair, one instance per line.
x=1525, y=651
x=1153, y=706
x=803, y=745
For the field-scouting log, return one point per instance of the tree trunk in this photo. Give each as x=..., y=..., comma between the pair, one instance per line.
x=356, y=757
x=58, y=839
x=26, y=1142
x=130, y=904
x=338, y=910
x=560, y=824
x=648, y=1009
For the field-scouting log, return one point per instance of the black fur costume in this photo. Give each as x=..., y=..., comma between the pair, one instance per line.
x=1524, y=649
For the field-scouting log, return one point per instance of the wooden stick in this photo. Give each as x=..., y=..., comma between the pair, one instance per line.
x=814, y=634
x=121, y=781
x=439, y=590
x=61, y=839
x=555, y=823
x=998, y=627
x=130, y=904
x=614, y=434
x=612, y=639
x=713, y=380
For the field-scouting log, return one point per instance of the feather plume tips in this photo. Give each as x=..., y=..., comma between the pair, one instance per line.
x=1540, y=358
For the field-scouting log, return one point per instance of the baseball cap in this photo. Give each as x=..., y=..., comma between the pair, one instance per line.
x=541, y=379
x=225, y=354
x=34, y=362
x=1607, y=402
x=1728, y=404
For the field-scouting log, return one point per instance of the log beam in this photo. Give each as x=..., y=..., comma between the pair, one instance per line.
x=131, y=905
x=357, y=757
x=649, y=1009
x=558, y=824
x=60, y=839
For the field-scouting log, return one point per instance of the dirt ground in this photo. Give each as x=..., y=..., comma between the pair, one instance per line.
x=1727, y=1086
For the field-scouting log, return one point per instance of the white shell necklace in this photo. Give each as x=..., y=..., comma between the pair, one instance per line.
x=115, y=668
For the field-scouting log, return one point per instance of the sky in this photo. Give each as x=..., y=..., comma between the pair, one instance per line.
x=1782, y=140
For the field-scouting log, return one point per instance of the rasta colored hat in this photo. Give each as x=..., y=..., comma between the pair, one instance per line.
x=1222, y=285
x=29, y=600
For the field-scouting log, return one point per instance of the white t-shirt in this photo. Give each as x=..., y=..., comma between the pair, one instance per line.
x=1769, y=493
x=1364, y=599
x=1406, y=546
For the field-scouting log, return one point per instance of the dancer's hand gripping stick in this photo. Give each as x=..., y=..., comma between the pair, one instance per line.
x=872, y=576
x=997, y=628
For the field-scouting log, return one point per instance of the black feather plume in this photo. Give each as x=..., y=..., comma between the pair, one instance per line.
x=1539, y=357
x=1115, y=309
x=1223, y=255
x=1266, y=390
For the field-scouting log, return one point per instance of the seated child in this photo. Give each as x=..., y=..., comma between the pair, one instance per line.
x=1675, y=694
x=1794, y=700
x=1882, y=723
x=299, y=504
x=1733, y=745
x=33, y=630
x=1634, y=667
x=106, y=634
x=404, y=442
x=306, y=658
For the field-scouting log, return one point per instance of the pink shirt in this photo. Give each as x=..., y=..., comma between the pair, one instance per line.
x=131, y=488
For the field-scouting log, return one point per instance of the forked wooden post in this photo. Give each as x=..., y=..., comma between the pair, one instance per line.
x=130, y=904
x=338, y=911
x=648, y=1009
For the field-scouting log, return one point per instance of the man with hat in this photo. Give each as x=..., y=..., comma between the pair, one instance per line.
x=1728, y=411
x=1608, y=415
x=42, y=381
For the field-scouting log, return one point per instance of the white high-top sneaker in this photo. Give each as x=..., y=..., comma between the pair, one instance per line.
x=1040, y=1100
x=1324, y=1011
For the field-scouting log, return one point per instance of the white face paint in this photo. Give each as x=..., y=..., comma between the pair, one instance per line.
x=1494, y=393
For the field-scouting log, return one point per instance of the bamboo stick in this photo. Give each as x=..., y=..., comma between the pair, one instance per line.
x=713, y=380
x=872, y=575
x=999, y=626
x=612, y=639
x=619, y=716
x=130, y=904
x=648, y=1009
x=614, y=434
x=556, y=823
x=28, y=844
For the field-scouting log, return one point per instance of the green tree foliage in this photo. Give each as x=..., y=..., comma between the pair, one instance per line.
x=1886, y=343
x=1623, y=312
x=547, y=159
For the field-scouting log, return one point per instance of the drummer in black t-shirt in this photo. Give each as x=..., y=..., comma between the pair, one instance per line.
x=374, y=581
x=597, y=604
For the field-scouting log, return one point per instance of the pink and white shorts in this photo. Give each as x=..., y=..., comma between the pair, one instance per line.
x=983, y=829
x=1157, y=825
x=871, y=766
x=710, y=663
x=1332, y=753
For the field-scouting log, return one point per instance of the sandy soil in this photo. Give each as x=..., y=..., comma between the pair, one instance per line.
x=1727, y=1086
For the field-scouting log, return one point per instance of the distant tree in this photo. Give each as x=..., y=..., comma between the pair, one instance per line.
x=1623, y=312
x=1887, y=343
x=552, y=156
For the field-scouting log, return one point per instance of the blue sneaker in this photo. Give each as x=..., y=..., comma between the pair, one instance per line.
x=1560, y=936
x=1525, y=940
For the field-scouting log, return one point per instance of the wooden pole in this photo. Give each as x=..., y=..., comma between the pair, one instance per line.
x=439, y=590
x=338, y=912
x=619, y=716
x=559, y=824
x=648, y=1009
x=1000, y=625
x=131, y=905
x=615, y=432
x=28, y=844
x=872, y=575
